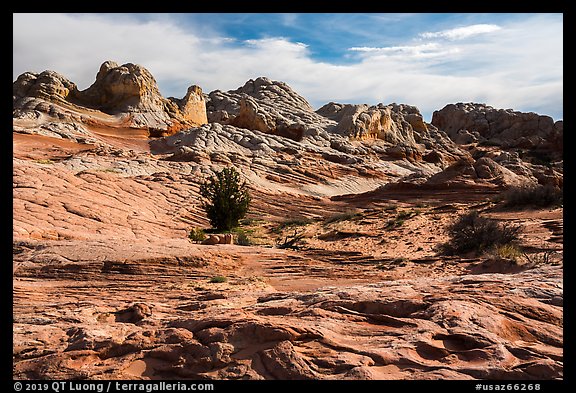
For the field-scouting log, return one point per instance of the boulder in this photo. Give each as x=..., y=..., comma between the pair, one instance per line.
x=214, y=239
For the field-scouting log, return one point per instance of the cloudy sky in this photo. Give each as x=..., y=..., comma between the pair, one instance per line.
x=427, y=60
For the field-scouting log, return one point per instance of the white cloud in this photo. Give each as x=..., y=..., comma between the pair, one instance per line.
x=278, y=43
x=520, y=67
x=428, y=50
x=407, y=48
x=460, y=33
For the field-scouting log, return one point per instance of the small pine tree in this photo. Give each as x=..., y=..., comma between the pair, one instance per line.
x=225, y=199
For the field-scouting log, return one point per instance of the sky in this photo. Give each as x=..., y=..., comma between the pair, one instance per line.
x=426, y=60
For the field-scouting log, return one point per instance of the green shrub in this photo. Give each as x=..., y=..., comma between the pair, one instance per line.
x=242, y=239
x=471, y=232
x=398, y=222
x=225, y=199
x=507, y=251
x=528, y=195
x=197, y=234
x=403, y=215
x=401, y=218
x=218, y=279
x=44, y=161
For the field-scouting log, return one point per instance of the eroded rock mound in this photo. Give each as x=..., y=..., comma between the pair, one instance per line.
x=468, y=122
x=47, y=85
x=400, y=126
x=393, y=123
x=268, y=106
x=47, y=94
x=126, y=88
x=129, y=91
x=274, y=108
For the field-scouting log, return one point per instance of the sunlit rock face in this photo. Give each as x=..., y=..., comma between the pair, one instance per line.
x=128, y=91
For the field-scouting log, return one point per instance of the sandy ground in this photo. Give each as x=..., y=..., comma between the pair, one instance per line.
x=40, y=147
x=127, y=138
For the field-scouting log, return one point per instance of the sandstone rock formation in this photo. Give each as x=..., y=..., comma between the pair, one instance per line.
x=268, y=106
x=47, y=85
x=267, y=122
x=273, y=108
x=261, y=105
x=527, y=144
x=192, y=106
x=129, y=91
x=446, y=326
x=504, y=127
x=393, y=123
x=402, y=127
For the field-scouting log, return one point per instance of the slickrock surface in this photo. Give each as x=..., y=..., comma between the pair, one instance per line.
x=107, y=285
x=78, y=316
x=403, y=329
x=136, y=301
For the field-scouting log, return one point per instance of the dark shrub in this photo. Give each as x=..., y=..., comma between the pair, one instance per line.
x=528, y=195
x=471, y=232
x=291, y=241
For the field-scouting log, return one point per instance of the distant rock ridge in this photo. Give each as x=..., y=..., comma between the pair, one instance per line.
x=267, y=120
x=274, y=108
x=128, y=89
x=473, y=122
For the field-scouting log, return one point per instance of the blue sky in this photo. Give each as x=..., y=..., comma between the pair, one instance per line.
x=427, y=60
